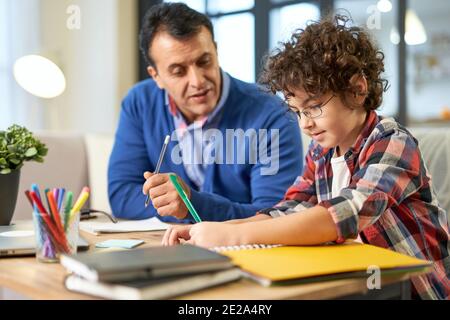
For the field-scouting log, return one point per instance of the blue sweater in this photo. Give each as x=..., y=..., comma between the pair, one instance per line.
x=230, y=191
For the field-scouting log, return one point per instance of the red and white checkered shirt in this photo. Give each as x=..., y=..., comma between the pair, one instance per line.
x=389, y=201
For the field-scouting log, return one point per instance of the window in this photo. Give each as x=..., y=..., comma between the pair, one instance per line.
x=234, y=27
x=5, y=78
x=286, y=19
x=234, y=36
x=226, y=6
x=17, y=18
x=235, y=22
x=198, y=5
x=428, y=65
x=418, y=69
x=382, y=26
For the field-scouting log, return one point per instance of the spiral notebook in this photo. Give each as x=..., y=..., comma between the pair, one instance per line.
x=278, y=265
x=245, y=247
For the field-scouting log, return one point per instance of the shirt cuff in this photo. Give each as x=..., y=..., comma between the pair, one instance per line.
x=337, y=221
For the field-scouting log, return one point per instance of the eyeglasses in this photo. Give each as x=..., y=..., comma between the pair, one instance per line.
x=314, y=111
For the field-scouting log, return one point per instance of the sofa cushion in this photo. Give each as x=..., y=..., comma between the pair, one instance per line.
x=64, y=166
x=434, y=143
x=99, y=147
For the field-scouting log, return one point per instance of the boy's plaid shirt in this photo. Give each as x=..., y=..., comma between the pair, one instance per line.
x=389, y=202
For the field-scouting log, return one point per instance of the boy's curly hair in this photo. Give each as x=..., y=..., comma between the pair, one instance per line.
x=323, y=57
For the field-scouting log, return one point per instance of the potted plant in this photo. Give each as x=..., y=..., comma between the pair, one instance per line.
x=17, y=145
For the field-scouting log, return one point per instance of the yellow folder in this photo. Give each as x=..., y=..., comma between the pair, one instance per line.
x=285, y=264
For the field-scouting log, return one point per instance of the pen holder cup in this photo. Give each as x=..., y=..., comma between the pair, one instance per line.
x=54, y=239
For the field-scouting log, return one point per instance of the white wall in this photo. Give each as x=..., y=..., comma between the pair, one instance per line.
x=99, y=61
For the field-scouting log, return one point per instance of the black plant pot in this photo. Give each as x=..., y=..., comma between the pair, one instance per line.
x=9, y=187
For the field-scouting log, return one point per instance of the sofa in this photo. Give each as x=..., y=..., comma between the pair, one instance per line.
x=75, y=161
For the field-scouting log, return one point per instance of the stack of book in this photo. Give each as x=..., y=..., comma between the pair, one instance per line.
x=150, y=273
x=284, y=265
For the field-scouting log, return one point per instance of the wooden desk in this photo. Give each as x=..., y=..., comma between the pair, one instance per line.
x=28, y=278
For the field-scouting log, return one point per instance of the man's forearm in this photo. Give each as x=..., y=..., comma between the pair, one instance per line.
x=310, y=227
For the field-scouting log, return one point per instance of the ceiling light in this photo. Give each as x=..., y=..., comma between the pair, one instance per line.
x=384, y=5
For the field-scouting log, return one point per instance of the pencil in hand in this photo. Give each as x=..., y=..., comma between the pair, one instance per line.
x=158, y=165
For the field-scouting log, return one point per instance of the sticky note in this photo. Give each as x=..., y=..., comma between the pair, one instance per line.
x=119, y=243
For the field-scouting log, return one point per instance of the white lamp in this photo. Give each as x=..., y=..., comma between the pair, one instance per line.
x=39, y=76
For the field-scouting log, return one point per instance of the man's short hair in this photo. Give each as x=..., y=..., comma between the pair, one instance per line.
x=177, y=19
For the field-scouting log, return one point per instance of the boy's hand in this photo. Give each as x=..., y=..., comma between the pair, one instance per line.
x=173, y=235
x=213, y=234
x=164, y=196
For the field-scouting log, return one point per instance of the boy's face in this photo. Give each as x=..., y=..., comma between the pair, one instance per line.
x=337, y=125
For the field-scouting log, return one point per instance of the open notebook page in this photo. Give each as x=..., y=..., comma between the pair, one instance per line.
x=103, y=225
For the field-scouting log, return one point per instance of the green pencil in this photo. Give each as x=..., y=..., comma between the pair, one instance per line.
x=187, y=202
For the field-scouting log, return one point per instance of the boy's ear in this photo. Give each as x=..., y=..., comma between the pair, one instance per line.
x=358, y=83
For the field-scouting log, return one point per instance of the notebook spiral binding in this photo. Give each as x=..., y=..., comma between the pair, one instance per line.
x=245, y=247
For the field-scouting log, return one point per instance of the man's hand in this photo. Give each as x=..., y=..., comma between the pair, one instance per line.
x=164, y=196
x=175, y=233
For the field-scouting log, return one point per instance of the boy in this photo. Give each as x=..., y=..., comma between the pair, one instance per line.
x=364, y=176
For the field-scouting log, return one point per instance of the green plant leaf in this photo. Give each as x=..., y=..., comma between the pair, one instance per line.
x=43, y=151
x=15, y=161
x=31, y=152
x=17, y=145
x=12, y=148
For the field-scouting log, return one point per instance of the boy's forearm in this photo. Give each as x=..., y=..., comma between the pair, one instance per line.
x=309, y=227
x=257, y=217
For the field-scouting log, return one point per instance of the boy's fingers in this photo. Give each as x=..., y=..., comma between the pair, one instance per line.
x=173, y=238
x=166, y=236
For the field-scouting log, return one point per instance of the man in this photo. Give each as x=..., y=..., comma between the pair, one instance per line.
x=233, y=147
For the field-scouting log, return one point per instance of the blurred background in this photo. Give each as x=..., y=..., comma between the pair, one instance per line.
x=92, y=47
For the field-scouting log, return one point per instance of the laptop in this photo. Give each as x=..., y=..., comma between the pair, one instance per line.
x=18, y=239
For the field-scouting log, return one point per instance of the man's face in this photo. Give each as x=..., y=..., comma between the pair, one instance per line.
x=188, y=70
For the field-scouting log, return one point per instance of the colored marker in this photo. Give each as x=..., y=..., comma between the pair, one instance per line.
x=67, y=209
x=182, y=194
